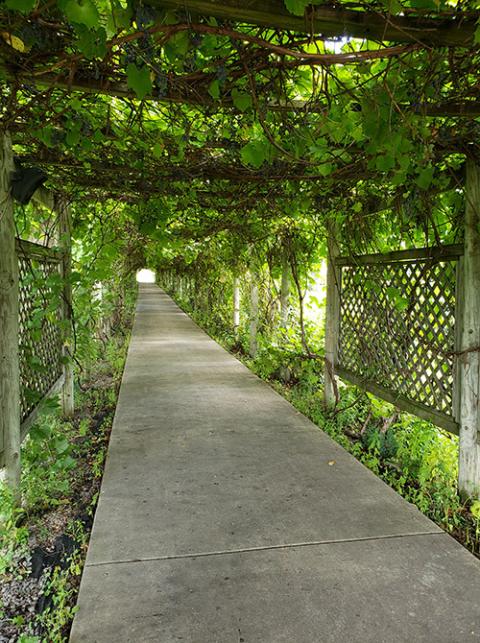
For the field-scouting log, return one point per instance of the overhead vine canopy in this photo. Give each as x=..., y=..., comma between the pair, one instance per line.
x=233, y=115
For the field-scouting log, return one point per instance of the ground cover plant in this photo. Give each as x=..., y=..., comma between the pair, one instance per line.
x=43, y=543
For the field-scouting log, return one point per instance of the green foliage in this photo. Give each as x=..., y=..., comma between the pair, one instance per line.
x=256, y=152
x=25, y=6
x=63, y=465
x=92, y=42
x=62, y=589
x=477, y=35
x=138, y=79
x=297, y=7
x=218, y=144
x=214, y=89
x=83, y=12
x=13, y=535
x=48, y=463
x=241, y=100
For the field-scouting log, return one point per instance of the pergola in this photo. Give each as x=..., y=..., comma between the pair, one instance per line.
x=130, y=76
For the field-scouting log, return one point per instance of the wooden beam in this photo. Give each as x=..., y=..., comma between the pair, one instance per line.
x=9, y=332
x=93, y=86
x=414, y=254
x=469, y=358
x=284, y=289
x=122, y=177
x=39, y=407
x=236, y=305
x=65, y=242
x=335, y=22
x=253, y=326
x=465, y=109
x=30, y=420
x=438, y=418
x=332, y=318
x=36, y=251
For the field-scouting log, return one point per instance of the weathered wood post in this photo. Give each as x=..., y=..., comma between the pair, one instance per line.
x=194, y=293
x=284, y=290
x=180, y=287
x=469, y=358
x=9, y=329
x=105, y=323
x=253, y=328
x=65, y=241
x=236, y=305
x=332, y=319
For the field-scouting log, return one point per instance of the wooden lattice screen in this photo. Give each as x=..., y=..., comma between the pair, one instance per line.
x=40, y=339
x=397, y=330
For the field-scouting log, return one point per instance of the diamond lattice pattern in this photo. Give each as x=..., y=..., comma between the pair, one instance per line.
x=397, y=328
x=40, y=341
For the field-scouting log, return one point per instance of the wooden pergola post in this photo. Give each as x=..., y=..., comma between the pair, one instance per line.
x=253, y=328
x=469, y=357
x=284, y=290
x=9, y=329
x=236, y=305
x=65, y=242
x=180, y=287
x=332, y=320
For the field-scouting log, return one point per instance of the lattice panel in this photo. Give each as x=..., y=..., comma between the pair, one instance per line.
x=397, y=328
x=40, y=341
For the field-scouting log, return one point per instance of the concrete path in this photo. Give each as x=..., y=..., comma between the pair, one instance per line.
x=226, y=516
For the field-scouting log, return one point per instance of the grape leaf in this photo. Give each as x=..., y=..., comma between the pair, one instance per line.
x=83, y=12
x=24, y=6
x=254, y=153
x=157, y=150
x=425, y=178
x=476, y=37
x=241, y=100
x=385, y=162
x=92, y=42
x=297, y=7
x=214, y=89
x=138, y=79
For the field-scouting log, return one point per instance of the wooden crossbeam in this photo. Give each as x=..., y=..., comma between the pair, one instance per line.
x=416, y=254
x=466, y=109
x=169, y=173
x=335, y=21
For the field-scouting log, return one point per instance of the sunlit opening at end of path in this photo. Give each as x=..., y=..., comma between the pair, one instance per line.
x=145, y=276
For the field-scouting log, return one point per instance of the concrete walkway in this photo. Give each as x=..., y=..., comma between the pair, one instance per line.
x=226, y=516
